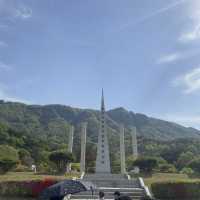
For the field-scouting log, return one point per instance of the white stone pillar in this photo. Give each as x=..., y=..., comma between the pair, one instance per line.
x=70, y=145
x=134, y=142
x=122, y=150
x=135, y=148
x=71, y=138
x=83, y=146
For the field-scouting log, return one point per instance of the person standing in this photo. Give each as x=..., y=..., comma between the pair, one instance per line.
x=101, y=195
x=116, y=195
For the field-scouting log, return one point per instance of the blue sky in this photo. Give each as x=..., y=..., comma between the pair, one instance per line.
x=144, y=53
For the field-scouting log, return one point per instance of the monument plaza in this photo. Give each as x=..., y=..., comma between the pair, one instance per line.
x=103, y=178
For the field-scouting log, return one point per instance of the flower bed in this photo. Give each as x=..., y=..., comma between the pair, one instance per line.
x=25, y=188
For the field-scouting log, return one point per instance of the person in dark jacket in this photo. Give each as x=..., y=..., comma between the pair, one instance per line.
x=101, y=195
x=117, y=195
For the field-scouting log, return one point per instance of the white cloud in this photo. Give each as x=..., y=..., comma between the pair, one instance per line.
x=189, y=81
x=187, y=120
x=7, y=97
x=11, y=10
x=154, y=14
x=193, y=32
x=173, y=57
x=23, y=12
x=169, y=58
x=190, y=36
x=4, y=67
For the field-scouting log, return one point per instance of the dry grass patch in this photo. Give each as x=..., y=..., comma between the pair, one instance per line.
x=168, y=177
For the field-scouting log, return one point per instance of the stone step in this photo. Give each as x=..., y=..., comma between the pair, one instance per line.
x=106, y=194
x=96, y=196
x=134, y=193
x=109, y=183
x=112, y=190
x=111, y=180
x=133, y=198
x=116, y=184
x=119, y=189
x=104, y=176
x=106, y=197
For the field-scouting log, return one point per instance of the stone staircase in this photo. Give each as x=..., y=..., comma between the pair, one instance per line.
x=134, y=193
x=109, y=183
x=112, y=180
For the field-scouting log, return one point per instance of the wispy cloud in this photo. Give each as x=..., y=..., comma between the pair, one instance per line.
x=23, y=12
x=5, y=96
x=190, y=82
x=176, y=56
x=190, y=36
x=193, y=32
x=14, y=10
x=153, y=14
x=169, y=58
x=188, y=120
x=4, y=67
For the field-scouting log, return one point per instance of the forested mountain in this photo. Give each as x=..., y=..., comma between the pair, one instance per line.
x=35, y=131
x=54, y=120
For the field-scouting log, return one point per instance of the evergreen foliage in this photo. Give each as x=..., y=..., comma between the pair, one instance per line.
x=36, y=131
x=8, y=158
x=146, y=164
x=61, y=159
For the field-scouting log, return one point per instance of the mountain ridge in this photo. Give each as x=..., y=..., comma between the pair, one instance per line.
x=41, y=118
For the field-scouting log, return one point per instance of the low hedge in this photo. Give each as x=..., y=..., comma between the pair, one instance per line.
x=24, y=188
x=176, y=190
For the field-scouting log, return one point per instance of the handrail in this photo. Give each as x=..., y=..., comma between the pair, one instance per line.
x=82, y=175
x=146, y=189
x=128, y=176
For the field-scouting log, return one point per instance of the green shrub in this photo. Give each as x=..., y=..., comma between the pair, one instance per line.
x=176, y=190
x=167, y=168
x=25, y=157
x=6, y=165
x=13, y=188
x=187, y=170
x=22, y=168
x=75, y=167
x=61, y=159
x=146, y=164
x=195, y=165
x=8, y=158
x=184, y=159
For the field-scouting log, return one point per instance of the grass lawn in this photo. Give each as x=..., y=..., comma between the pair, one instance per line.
x=157, y=177
x=25, y=176
x=162, y=177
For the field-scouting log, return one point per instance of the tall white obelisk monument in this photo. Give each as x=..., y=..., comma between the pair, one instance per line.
x=103, y=157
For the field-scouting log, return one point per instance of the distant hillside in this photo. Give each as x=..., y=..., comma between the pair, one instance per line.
x=151, y=127
x=51, y=120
